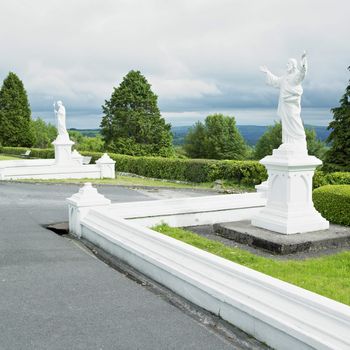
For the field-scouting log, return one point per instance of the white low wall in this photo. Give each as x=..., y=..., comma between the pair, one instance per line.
x=280, y=314
x=51, y=169
x=25, y=163
x=189, y=211
x=91, y=171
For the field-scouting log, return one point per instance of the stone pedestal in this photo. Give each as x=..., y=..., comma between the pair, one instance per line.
x=107, y=166
x=289, y=207
x=80, y=203
x=63, y=150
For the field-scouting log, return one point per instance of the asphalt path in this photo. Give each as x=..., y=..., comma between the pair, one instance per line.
x=54, y=294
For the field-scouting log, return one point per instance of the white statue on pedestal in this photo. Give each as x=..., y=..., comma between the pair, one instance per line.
x=289, y=208
x=60, y=114
x=289, y=107
x=63, y=145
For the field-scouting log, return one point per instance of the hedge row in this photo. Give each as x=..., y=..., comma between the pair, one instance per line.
x=193, y=170
x=333, y=202
x=35, y=152
x=338, y=178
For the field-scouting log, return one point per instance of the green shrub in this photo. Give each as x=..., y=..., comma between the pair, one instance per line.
x=245, y=172
x=15, y=151
x=338, y=178
x=35, y=152
x=333, y=202
x=192, y=170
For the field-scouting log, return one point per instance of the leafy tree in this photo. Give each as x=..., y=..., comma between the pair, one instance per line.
x=86, y=143
x=76, y=136
x=272, y=139
x=338, y=156
x=132, y=123
x=44, y=133
x=92, y=144
x=217, y=138
x=15, y=122
x=195, y=141
x=315, y=146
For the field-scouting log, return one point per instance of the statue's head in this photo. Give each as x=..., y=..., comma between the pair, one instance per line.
x=59, y=103
x=292, y=65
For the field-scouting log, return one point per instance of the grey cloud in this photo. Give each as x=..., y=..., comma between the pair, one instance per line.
x=198, y=55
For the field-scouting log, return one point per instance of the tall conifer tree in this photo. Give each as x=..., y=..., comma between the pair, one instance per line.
x=132, y=123
x=338, y=156
x=15, y=114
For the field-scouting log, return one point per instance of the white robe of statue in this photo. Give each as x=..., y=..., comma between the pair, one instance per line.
x=60, y=113
x=289, y=107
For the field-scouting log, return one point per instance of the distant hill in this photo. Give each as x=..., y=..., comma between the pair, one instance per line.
x=87, y=132
x=251, y=133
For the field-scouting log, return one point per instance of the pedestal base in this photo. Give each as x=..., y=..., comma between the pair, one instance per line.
x=63, y=151
x=289, y=208
x=288, y=222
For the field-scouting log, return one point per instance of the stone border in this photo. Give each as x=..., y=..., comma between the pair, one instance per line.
x=51, y=169
x=280, y=314
x=244, y=232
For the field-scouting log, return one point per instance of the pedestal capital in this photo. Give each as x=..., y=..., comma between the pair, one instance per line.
x=63, y=140
x=291, y=163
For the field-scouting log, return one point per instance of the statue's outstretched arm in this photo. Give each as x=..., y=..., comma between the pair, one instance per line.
x=302, y=67
x=271, y=79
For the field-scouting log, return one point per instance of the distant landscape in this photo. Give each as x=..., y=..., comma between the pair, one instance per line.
x=251, y=133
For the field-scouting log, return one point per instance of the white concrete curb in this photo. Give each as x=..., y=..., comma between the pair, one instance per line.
x=280, y=314
x=49, y=169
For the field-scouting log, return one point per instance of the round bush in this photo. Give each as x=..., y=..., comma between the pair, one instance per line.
x=333, y=202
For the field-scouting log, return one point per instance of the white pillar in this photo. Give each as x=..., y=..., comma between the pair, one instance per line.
x=107, y=166
x=80, y=203
x=289, y=208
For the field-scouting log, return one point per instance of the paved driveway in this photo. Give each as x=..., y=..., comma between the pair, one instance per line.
x=56, y=295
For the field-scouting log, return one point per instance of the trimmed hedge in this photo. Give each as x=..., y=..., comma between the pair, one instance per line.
x=333, y=202
x=192, y=170
x=338, y=178
x=35, y=152
x=247, y=172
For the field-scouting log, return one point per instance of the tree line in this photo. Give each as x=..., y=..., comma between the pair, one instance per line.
x=132, y=124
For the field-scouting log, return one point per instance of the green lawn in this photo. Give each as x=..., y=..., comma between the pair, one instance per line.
x=143, y=181
x=123, y=180
x=328, y=276
x=6, y=157
x=126, y=181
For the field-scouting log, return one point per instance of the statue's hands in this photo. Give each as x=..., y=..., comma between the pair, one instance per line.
x=264, y=69
x=303, y=56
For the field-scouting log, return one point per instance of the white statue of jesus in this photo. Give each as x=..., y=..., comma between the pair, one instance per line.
x=289, y=107
x=60, y=114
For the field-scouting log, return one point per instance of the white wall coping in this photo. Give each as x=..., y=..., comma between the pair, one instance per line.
x=50, y=169
x=4, y=164
x=179, y=206
x=278, y=313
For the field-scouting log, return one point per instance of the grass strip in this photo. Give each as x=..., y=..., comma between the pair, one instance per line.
x=328, y=276
x=124, y=181
x=6, y=157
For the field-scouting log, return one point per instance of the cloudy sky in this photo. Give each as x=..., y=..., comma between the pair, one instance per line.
x=200, y=56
